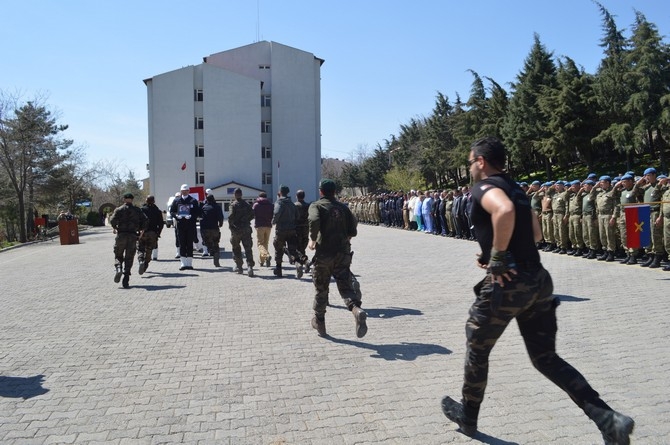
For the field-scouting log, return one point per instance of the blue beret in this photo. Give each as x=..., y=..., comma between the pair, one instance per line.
x=575, y=182
x=617, y=178
x=535, y=183
x=662, y=176
x=650, y=170
x=589, y=182
x=626, y=176
x=605, y=178
x=631, y=173
x=591, y=176
x=523, y=183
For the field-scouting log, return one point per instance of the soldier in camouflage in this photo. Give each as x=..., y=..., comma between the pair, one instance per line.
x=128, y=223
x=515, y=286
x=331, y=227
x=239, y=222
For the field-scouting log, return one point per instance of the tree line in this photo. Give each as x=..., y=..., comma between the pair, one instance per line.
x=556, y=119
x=43, y=173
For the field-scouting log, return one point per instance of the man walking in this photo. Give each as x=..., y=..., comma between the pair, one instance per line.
x=331, y=227
x=148, y=242
x=516, y=286
x=302, y=226
x=185, y=210
x=210, y=223
x=239, y=222
x=263, y=223
x=284, y=219
x=128, y=222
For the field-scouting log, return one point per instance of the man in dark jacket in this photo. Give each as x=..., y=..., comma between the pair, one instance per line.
x=239, y=221
x=128, y=222
x=185, y=210
x=284, y=219
x=210, y=223
x=149, y=239
x=331, y=227
x=302, y=226
x=263, y=223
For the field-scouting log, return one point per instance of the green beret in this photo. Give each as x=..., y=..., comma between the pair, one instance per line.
x=128, y=196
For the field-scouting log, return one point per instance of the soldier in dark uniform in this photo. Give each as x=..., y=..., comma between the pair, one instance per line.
x=128, y=223
x=284, y=220
x=149, y=239
x=515, y=286
x=331, y=227
x=239, y=222
x=302, y=225
x=210, y=223
x=185, y=210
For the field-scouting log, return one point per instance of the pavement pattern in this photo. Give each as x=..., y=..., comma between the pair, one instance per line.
x=212, y=357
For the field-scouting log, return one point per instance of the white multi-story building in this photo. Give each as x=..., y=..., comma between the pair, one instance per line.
x=248, y=117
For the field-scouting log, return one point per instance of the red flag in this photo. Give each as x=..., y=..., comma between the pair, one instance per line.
x=183, y=166
x=638, y=226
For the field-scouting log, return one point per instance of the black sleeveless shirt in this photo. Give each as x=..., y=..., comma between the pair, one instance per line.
x=522, y=244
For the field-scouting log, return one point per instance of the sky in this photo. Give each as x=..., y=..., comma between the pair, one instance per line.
x=385, y=60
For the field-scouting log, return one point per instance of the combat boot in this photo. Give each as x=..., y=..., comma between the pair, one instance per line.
x=626, y=260
x=320, y=325
x=126, y=279
x=615, y=427
x=250, y=270
x=465, y=417
x=277, y=271
x=216, y=259
x=603, y=257
x=143, y=267
x=656, y=262
x=610, y=256
x=632, y=260
x=667, y=268
x=648, y=261
x=361, y=326
x=298, y=271
x=119, y=272
x=239, y=269
x=267, y=261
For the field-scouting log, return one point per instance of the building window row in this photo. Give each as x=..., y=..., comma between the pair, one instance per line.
x=267, y=179
x=266, y=152
x=199, y=177
x=199, y=151
x=199, y=123
x=266, y=127
x=265, y=100
x=197, y=95
x=263, y=67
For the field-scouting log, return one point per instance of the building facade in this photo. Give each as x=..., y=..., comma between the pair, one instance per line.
x=250, y=115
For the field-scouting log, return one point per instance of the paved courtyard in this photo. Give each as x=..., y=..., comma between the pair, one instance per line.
x=211, y=357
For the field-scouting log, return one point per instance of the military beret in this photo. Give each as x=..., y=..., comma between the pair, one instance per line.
x=327, y=185
x=617, y=178
x=605, y=178
x=523, y=183
x=128, y=196
x=650, y=171
x=535, y=183
x=575, y=182
x=626, y=177
x=589, y=182
x=662, y=176
x=591, y=176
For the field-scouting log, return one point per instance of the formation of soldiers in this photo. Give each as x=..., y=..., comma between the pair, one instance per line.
x=582, y=218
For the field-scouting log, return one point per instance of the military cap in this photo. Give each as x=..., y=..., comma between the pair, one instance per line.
x=589, y=182
x=535, y=183
x=184, y=187
x=605, y=178
x=661, y=176
x=650, y=171
x=128, y=196
x=238, y=191
x=327, y=185
x=208, y=191
x=575, y=182
x=591, y=176
x=626, y=177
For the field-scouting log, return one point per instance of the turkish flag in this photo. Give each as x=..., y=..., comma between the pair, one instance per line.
x=183, y=166
x=638, y=226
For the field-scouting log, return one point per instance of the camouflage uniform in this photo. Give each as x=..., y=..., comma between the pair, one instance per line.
x=149, y=239
x=627, y=197
x=127, y=220
x=548, y=221
x=605, y=202
x=559, y=206
x=590, y=221
x=575, y=222
x=239, y=222
x=665, y=217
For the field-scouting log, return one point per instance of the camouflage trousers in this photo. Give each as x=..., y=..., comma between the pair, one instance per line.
x=301, y=238
x=211, y=238
x=528, y=298
x=575, y=231
x=657, y=245
x=607, y=232
x=125, y=246
x=145, y=245
x=285, y=241
x=590, y=232
x=242, y=236
x=548, y=228
x=337, y=266
x=560, y=230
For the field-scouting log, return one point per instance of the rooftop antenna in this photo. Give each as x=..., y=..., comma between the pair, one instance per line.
x=258, y=20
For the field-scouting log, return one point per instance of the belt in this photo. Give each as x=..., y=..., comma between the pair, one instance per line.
x=575, y=214
x=546, y=212
x=559, y=213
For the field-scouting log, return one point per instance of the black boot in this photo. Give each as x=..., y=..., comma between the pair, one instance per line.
x=626, y=260
x=591, y=255
x=656, y=262
x=615, y=427
x=125, y=281
x=650, y=259
x=603, y=257
x=277, y=270
x=464, y=416
x=632, y=260
x=610, y=256
x=667, y=268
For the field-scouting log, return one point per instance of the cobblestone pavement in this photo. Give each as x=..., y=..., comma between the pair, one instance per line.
x=212, y=357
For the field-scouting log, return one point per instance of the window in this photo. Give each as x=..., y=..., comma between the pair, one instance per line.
x=265, y=100
x=263, y=67
x=199, y=151
x=199, y=123
x=199, y=177
x=266, y=152
x=267, y=178
x=266, y=127
x=197, y=95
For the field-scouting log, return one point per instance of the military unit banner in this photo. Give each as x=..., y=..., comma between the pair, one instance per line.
x=638, y=226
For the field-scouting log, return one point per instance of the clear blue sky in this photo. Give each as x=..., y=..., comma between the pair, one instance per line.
x=385, y=61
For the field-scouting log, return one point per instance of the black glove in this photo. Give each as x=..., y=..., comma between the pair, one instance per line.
x=501, y=262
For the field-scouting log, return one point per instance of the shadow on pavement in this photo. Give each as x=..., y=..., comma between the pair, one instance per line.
x=387, y=312
x=401, y=351
x=152, y=288
x=24, y=387
x=570, y=298
x=485, y=438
